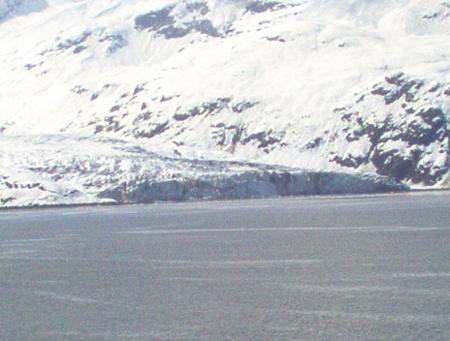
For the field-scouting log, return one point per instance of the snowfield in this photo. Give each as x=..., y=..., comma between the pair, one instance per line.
x=137, y=101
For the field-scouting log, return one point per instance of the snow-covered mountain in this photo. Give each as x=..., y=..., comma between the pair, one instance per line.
x=112, y=96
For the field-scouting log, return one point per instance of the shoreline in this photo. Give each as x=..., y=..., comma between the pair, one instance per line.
x=107, y=204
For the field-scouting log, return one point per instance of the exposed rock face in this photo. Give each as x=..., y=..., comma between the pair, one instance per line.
x=260, y=6
x=425, y=133
x=407, y=139
x=209, y=108
x=7, y=7
x=171, y=21
x=11, y=8
x=178, y=20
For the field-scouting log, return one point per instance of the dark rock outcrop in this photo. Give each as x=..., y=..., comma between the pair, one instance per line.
x=207, y=108
x=408, y=140
x=260, y=6
x=164, y=23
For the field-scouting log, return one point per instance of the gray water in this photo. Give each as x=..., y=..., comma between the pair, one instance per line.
x=322, y=268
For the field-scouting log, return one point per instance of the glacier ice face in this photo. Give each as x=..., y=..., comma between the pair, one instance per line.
x=61, y=170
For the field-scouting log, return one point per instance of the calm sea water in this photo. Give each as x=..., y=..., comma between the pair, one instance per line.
x=319, y=268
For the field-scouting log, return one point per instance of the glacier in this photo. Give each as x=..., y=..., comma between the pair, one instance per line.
x=137, y=101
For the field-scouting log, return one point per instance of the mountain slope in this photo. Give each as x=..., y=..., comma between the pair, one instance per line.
x=355, y=86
